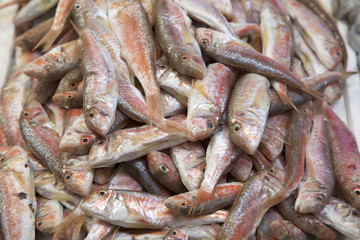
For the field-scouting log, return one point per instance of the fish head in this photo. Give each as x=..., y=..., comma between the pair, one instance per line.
x=354, y=189
x=49, y=214
x=78, y=176
x=311, y=199
x=100, y=118
x=32, y=113
x=245, y=131
x=188, y=61
x=176, y=234
x=181, y=203
x=97, y=203
x=68, y=99
x=204, y=37
x=99, y=151
x=162, y=66
x=77, y=141
x=77, y=11
x=335, y=55
x=274, y=177
x=45, y=67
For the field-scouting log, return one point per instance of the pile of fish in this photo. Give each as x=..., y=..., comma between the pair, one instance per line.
x=176, y=119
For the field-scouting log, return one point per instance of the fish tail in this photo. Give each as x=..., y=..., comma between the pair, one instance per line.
x=282, y=92
x=155, y=109
x=73, y=219
x=48, y=39
x=79, y=221
x=314, y=93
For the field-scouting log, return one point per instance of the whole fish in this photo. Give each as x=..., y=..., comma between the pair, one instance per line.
x=204, y=11
x=221, y=153
x=139, y=169
x=306, y=222
x=341, y=216
x=140, y=210
x=272, y=142
x=189, y=159
x=223, y=196
x=17, y=199
x=324, y=42
x=143, y=139
x=78, y=138
x=164, y=171
x=53, y=65
x=234, y=52
x=69, y=92
x=248, y=111
x=241, y=168
x=208, y=100
x=345, y=158
x=252, y=202
x=41, y=137
x=319, y=182
x=49, y=214
x=32, y=10
x=177, y=40
x=138, y=49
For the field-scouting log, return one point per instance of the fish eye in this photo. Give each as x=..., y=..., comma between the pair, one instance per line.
x=39, y=223
x=73, y=85
x=102, y=193
x=48, y=68
x=338, y=53
x=204, y=41
x=185, y=58
x=183, y=203
x=356, y=192
x=210, y=125
x=174, y=233
x=68, y=176
x=236, y=128
x=164, y=168
x=36, y=91
x=77, y=6
x=319, y=197
x=70, y=95
x=203, y=170
x=271, y=170
x=26, y=114
x=91, y=115
x=2, y=159
x=317, y=222
x=162, y=66
x=85, y=140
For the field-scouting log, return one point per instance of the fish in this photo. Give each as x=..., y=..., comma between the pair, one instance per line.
x=177, y=234
x=140, y=210
x=239, y=12
x=341, y=216
x=144, y=139
x=223, y=196
x=41, y=137
x=138, y=50
x=122, y=180
x=319, y=181
x=221, y=154
x=218, y=46
x=260, y=161
x=204, y=11
x=171, y=105
x=17, y=199
x=100, y=229
x=56, y=63
x=32, y=10
x=323, y=43
x=208, y=100
x=241, y=168
x=345, y=158
x=78, y=138
x=49, y=214
x=177, y=40
x=103, y=175
x=251, y=203
x=41, y=91
x=164, y=171
x=189, y=159
x=248, y=110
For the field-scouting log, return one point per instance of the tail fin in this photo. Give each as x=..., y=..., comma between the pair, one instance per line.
x=155, y=108
x=48, y=39
x=281, y=90
x=75, y=220
x=314, y=93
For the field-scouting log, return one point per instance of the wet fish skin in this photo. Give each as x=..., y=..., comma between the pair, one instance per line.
x=140, y=210
x=32, y=10
x=103, y=175
x=49, y=214
x=208, y=100
x=41, y=137
x=241, y=168
x=319, y=182
x=223, y=196
x=248, y=110
x=123, y=180
x=177, y=40
x=252, y=202
x=41, y=91
x=171, y=105
x=100, y=229
x=189, y=158
x=145, y=138
x=164, y=171
x=345, y=158
x=341, y=216
x=53, y=65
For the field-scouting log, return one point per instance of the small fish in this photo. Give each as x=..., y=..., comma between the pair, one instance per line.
x=341, y=216
x=139, y=169
x=189, y=159
x=223, y=196
x=41, y=137
x=248, y=110
x=53, y=65
x=49, y=214
x=234, y=52
x=144, y=139
x=164, y=170
x=140, y=210
x=208, y=100
x=177, y=40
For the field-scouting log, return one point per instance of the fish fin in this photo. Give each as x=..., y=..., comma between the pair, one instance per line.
x=116, y=230
x=78, y=224
x=72, y=218
x=201, y=197
x=314, y=93
x=155, y=109
x=286, y=99
x=48, y=39
x=174, y=128
x=61, y=197
x=348, y=74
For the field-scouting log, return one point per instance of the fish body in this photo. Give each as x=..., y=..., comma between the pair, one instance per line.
x=241, y=168
x=32, y=10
